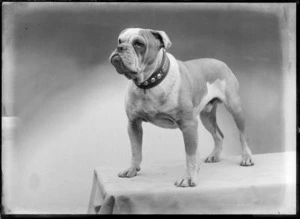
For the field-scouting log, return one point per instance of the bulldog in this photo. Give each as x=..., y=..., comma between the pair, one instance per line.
x=170, y=93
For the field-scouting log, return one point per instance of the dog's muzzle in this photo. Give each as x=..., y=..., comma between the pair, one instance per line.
x=117, y=62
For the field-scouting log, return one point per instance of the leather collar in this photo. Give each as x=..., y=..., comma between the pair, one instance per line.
x=158, y=76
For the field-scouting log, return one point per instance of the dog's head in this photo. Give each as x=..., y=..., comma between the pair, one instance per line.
x=137, y=51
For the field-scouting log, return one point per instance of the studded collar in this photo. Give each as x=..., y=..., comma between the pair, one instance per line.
x=158, y=76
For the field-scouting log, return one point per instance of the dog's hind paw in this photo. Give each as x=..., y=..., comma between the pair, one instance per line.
x=128, y=173
x=247, y=160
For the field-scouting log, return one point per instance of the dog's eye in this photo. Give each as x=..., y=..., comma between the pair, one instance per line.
x=119, y=41
x=138, y=44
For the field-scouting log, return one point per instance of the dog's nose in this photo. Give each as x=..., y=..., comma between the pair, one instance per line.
x=121, y=48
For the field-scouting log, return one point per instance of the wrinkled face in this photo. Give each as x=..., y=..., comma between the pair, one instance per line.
x=136, y=51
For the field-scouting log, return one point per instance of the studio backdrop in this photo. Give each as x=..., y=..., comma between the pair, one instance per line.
x=58, y=81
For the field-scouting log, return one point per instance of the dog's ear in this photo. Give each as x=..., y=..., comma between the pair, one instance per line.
x=163, y=38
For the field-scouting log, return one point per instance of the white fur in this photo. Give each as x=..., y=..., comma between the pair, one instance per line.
x=129, y=33
x=192, y=165
x=214, y=90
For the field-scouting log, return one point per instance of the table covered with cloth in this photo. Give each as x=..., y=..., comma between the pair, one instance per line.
x=268, y=187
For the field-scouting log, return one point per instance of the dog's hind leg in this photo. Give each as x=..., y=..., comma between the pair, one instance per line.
x=234, y=106
x=209, y=121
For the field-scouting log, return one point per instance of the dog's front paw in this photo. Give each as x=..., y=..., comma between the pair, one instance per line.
x=186, y=182
x=212, y=158
x=247, y=160
x=128, y=173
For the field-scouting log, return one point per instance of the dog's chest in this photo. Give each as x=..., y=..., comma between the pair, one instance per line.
x=157, y=109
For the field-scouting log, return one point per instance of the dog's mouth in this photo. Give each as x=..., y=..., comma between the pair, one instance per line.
x=121, y=68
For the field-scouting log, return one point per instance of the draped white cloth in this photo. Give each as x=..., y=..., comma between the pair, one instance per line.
x=268, y=187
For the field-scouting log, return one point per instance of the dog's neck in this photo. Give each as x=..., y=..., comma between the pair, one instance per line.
x=153, y=78
x=150, y=69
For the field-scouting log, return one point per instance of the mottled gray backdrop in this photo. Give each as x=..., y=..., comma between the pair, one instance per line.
x=70, y=100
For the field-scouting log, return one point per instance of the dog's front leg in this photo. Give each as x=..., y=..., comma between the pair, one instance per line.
x=190, y=135
x=135, y=132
